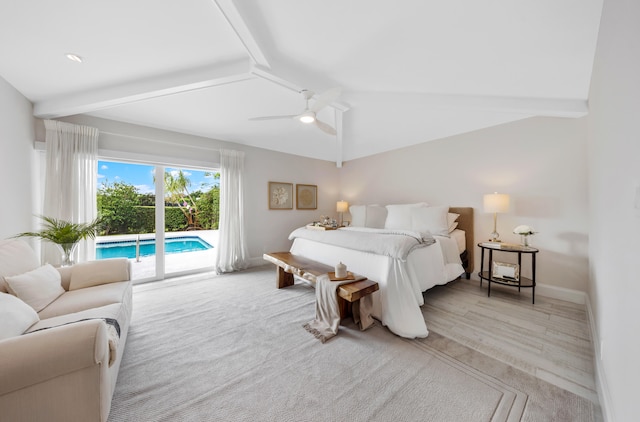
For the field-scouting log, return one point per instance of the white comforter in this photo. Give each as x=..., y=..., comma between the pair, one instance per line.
x=403, y=273
x=393, y=243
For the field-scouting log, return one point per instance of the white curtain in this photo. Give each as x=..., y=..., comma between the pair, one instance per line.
x=232, y=253
x=70, y=183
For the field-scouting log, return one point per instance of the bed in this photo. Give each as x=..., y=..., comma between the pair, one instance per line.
x=405, y=261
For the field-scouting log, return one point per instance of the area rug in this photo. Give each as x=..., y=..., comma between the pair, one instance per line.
x=232, y=348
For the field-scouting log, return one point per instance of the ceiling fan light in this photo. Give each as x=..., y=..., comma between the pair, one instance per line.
x=74, y=57
x=308, y=117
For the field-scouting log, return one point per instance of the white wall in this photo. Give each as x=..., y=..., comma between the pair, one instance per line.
x=539, y=162
x=614, y=181
x=16, y=162
x=267, y=229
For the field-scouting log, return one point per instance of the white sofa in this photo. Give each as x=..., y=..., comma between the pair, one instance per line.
x=64, y=365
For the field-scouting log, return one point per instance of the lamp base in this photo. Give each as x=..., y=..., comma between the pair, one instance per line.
x=495, y=237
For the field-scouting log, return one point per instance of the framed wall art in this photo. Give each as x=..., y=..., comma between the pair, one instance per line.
x=306, y=197
x=280, y=196
x=506, y=272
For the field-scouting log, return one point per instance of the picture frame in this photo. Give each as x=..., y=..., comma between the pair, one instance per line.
x=280, y=196
x=506, y=272
x=306, y=197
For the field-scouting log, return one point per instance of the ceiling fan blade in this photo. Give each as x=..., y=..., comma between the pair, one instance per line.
x=325, y=127
x=290, y=116
x=326, y=98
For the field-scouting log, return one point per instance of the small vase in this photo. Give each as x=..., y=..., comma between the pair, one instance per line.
x=524, y=239
x=67, y=253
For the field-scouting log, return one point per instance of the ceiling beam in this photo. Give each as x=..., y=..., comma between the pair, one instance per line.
x=147, y=88
x=239, y=26
x=549, y=107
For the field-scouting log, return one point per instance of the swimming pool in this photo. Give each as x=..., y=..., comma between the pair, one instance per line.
x=127, y=248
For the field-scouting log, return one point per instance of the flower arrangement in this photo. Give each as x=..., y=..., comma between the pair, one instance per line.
x=524, y=230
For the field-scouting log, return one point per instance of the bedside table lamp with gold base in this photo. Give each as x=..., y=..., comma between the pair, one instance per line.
x=342, y=207
x=496, y=203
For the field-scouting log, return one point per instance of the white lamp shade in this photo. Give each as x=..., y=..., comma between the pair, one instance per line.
x=496, y=202
x=342, y=206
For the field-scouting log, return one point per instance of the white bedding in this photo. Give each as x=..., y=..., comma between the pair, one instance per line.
x=402, y=281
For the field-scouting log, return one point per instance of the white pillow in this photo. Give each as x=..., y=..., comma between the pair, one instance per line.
x=451, y=219
x=38, y=287
x=375, y=217
x=430, y=219
x=358, y=215
x=399, y=216
x=16, y=316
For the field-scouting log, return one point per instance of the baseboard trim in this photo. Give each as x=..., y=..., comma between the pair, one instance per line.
x=601, y=380
x=561, y=293
x=257, y=261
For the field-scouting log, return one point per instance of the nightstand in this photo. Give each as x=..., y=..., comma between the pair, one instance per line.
x=519, y=281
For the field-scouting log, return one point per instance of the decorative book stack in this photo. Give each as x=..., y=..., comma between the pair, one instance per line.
x=504, y=246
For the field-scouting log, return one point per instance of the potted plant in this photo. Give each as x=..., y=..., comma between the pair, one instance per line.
x=65, y=235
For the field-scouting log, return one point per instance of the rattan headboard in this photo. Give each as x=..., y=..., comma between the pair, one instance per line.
x=465, y=222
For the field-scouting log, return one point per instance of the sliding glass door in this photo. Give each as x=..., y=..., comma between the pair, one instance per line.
x=191, y=219
x=128, y=198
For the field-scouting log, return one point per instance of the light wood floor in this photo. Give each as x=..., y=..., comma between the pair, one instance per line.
x=550, y=340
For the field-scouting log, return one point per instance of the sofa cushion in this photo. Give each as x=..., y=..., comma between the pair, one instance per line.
x=15, y=316
x=16, y=257
x=90, y=297
x=38, y=288
x=94, y=273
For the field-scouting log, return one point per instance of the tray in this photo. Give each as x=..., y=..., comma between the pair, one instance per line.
x=332, y=276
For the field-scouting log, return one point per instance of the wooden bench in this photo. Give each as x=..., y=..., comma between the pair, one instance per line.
x=288, y=265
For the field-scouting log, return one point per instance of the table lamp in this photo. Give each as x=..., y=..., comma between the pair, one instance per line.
x=341, y=207
x=495, y=203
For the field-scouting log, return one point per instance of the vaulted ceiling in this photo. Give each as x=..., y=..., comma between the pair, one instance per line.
x=410, y=71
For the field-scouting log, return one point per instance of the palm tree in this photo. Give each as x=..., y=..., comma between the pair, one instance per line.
x=177, y=192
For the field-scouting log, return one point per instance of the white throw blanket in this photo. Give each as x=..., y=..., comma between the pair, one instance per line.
x=327, y=320
x=394, y=243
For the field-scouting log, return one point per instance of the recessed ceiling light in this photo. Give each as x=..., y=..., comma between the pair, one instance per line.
x=74, y=57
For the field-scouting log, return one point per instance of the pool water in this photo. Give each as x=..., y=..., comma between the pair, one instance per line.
x=127, y=249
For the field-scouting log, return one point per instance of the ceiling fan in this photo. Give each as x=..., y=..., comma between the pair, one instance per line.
x=308, y=115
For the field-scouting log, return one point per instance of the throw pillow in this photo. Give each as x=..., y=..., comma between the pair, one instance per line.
x=94, y=273
x=38, y=287
x=430, y=219
x=16, y=316
x=451, y=219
